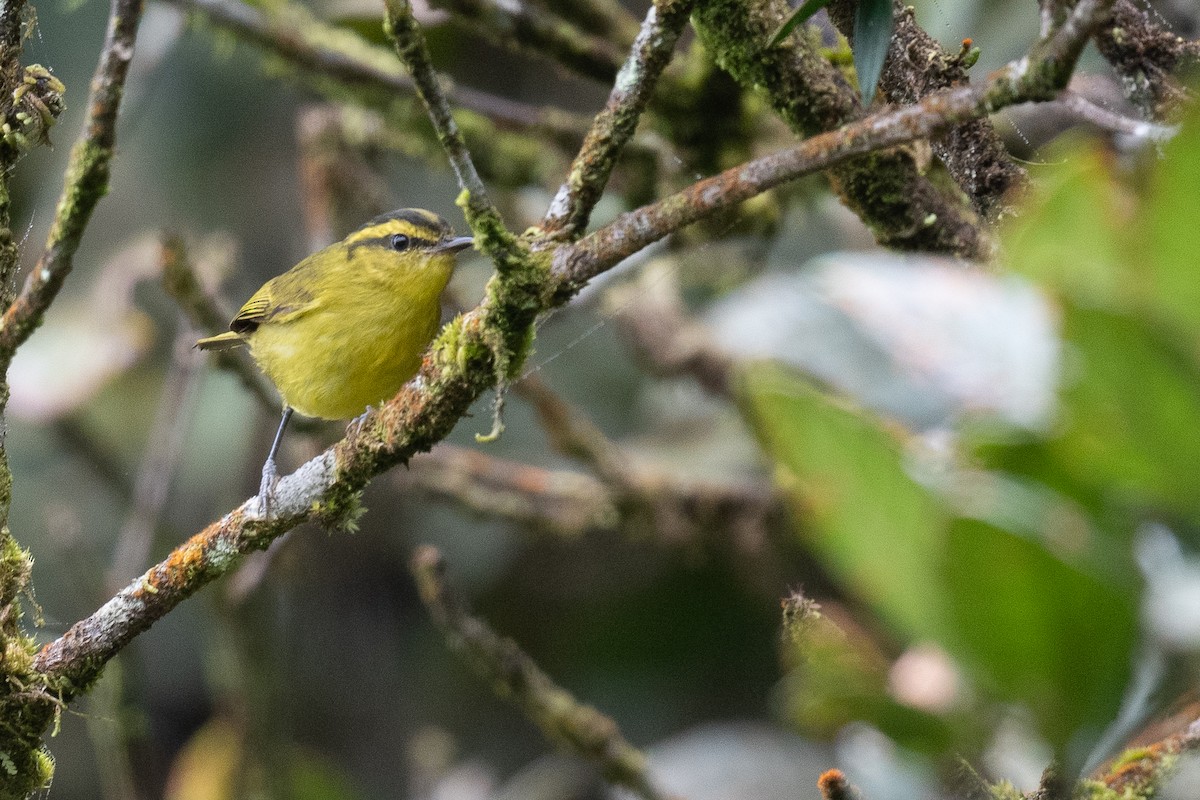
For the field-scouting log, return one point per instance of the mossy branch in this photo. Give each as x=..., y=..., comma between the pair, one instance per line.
x=515, y=677
x=1146, y=56
x=86, y=182
x=916, y=65
x=903, y=209
x=1037, y=77
x=615, y=125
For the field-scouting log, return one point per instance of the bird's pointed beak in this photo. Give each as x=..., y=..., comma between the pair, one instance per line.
x=454, y=244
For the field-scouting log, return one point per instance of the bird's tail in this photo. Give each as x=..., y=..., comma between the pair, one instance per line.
x=224, y=341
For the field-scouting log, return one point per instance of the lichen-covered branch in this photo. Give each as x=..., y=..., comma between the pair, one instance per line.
x=27, y=705
x=1142, y=771
x=886, y=190
x=1039, y=76
x=86, y=182
x=514, y=676
x=1147, y=57
x=917, y=65
x=615, y=125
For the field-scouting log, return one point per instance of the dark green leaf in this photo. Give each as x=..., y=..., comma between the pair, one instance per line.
x=840, y=679
x=873, y=23
x=798, y=17
x=1129, y=412
x=873, y=525
x=1171, y=217
x=1037, y=630
x=1073, y=237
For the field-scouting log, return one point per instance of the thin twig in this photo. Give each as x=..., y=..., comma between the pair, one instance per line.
x=515, y=25
x=460, y=366
x=916, y=65
x=1038, y=77
x=515, y=677
x=651, y=317
x=615, y=125
x=159, y=465
x=1109, y=120
x=326, y=51
x=576, y=436
x=182, y=284
x=86, y=182
x=402, y=26
x=607, y=18
x=562, y=503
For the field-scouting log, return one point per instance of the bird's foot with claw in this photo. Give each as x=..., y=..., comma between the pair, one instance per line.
x=266, y=489
x=355, y=426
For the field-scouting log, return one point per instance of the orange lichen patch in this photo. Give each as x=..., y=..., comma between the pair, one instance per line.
x=966, y=43
x=1139, y=768
x=834, y=786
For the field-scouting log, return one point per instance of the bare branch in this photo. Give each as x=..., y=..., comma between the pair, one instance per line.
x=516, y=25
x=328, y=52
x=160, y=462
x=651, y=317
x=576, y=436
x=86, y=181
x=514, y=676
x=1106, y=119
x=615, y=125
x=607, y=18
x=566, y=504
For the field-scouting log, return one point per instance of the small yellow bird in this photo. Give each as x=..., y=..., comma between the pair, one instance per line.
x=346, y=327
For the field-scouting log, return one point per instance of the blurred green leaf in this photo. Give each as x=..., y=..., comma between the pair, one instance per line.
x=1129, y=413
x=1171, y=217
x=873, y=24
x=1073, y=236
x=797, y=18
x=1040, y=631
x=839, y=679
x=876, y=528
x=312, y=778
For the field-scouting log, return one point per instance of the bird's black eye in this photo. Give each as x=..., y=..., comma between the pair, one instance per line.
x=400, y=242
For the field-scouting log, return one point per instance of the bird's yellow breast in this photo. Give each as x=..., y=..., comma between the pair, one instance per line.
x=356, y=334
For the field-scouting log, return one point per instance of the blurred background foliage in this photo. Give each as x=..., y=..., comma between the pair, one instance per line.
x=988, y=477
